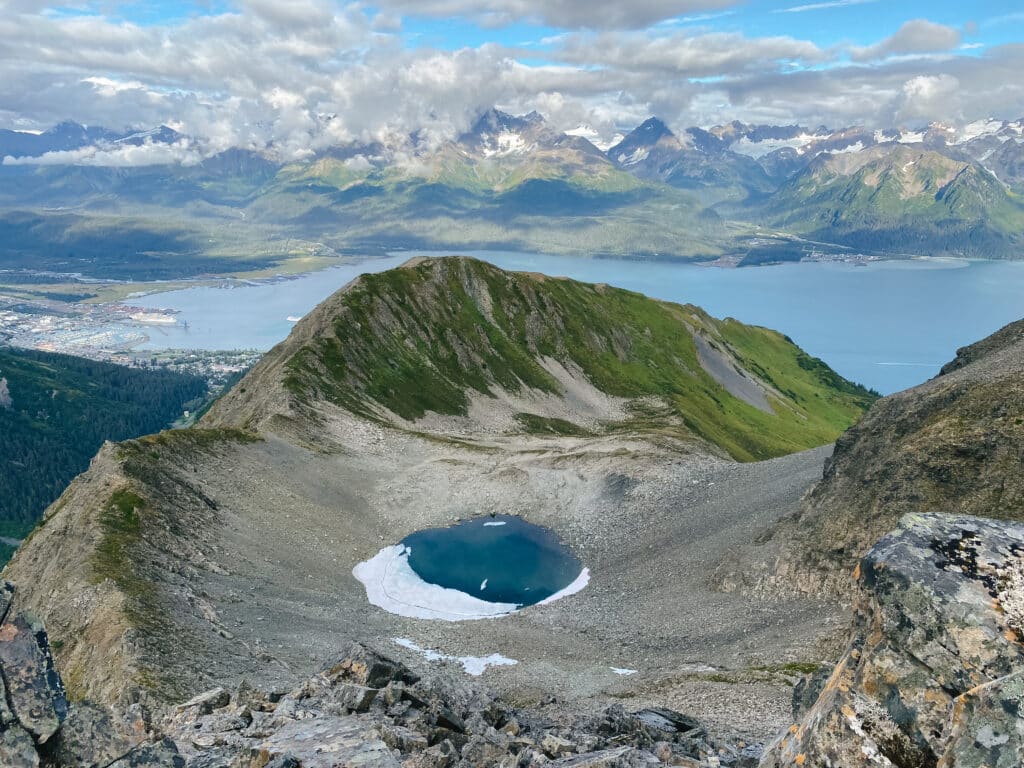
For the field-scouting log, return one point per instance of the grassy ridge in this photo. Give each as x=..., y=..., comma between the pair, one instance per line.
x=420, y=338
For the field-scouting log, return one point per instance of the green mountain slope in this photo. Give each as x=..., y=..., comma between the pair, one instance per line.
x=56, y=411
x=904, y=199
x=434, y=335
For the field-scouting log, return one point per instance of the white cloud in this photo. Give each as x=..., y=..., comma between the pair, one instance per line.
x=126, y=156
x=821, y=6
x=295, y=80
x=915, y=36
x=568, y=14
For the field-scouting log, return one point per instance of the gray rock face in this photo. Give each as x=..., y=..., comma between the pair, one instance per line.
x=36, y=725
x=33, y=689
x=935, y=673
x=954, y=443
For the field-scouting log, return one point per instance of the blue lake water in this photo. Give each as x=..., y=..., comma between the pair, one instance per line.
x=888, y=325
x=501, y=559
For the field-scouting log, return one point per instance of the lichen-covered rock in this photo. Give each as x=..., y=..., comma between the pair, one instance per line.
x=933, y=674
x=17, y=750
x=161, y=754
x=88, y=737
x=987, y=726
x=327, y=742
x=34, y=690
x=363, y=666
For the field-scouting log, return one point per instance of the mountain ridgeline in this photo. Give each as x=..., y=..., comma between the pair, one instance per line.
x=440, y=336
x=954, y=444
x=515, y=183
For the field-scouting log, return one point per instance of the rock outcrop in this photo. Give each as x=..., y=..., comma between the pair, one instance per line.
x=934, y=676
x=37, y=725
x=954, y=443
x=367, y=710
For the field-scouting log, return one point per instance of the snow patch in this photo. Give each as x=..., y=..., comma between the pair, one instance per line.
x=579, y=583
x=750, y=148
x=638, y=156
x=506, y=143
x=911, y=137
x=473, y=665
x=393, y=585
x=495, y=523
x=624, y=672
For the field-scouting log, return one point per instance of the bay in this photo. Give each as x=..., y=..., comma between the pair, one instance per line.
x=888, y=325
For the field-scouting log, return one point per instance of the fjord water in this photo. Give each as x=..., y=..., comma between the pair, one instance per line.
x=888, y=325
x=501, y=560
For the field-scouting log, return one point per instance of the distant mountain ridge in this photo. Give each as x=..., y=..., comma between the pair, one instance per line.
x=516, y=182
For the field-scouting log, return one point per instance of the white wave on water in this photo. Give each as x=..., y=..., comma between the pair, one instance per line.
x=473, y=665
x=393, y=585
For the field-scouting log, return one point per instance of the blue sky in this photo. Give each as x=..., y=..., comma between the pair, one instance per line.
x=302, y=74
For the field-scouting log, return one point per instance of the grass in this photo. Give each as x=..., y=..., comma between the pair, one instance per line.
x=421, y=338
x=541, y=425
x=120, y=522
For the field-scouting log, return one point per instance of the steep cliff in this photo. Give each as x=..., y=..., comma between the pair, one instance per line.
x=954, y=443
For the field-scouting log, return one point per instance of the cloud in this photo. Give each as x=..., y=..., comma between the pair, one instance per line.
x=915, y=36
x=293, y=81
x=821, y=6
x=567, y=14
x=712, y=54
x=121, y=156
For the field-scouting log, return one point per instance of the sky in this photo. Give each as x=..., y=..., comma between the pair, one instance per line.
x=301, y=75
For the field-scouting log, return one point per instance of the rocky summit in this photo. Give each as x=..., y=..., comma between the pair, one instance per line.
x=934, y=675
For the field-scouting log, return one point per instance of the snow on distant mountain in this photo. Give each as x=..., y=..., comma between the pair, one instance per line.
x=592, y=135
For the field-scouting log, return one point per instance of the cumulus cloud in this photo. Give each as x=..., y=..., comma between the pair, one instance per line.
x=915, y=36
x=293, y=79
x=569, y=14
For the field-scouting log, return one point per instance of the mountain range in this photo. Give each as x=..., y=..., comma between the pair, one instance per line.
x=745, y=192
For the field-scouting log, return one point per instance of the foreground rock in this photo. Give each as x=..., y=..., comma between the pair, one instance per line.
x=934, y=675
x=37, y=727
x=367, y=710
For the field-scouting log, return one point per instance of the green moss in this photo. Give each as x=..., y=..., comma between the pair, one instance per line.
x=541, y=425
x=120, y=521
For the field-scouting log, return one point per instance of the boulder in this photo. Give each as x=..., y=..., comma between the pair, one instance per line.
x=161, y=754
x=88, y=737
x=933, y=673
x=363, y=666
x=34, y=690
x=327, y=742
x=17, y=750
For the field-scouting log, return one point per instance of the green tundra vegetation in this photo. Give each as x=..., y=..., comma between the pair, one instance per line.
x=425, y=337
